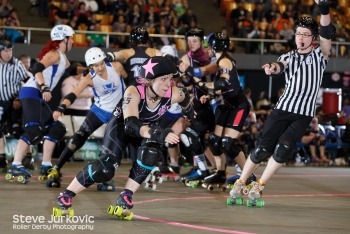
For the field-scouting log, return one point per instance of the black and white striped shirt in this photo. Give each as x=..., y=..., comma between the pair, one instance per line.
x=11, y=75
x=303, y=75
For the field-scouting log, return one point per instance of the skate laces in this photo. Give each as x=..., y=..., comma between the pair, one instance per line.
x=53, y=172
x=258, y=186
x=65, y=199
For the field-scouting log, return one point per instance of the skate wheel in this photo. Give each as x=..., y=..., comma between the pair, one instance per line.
x=129, y=217
x=9, y=177
x=154, y=186
x=146, y=185
x=260, y=203
x=56, y=212
x=68, y=212
x=229, y=201
x=223, y=188
x=118, y=211
x=210, y=187
x=21, y=179
x=177, y=178
x=193, y=184
x=245, y=191
x=160, y=180
x=110, y=210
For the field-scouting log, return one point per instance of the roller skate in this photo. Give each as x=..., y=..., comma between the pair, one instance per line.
x=54, y=178
x=64, y=201
x=236, y=193
x=20, y=172
x=231, y=181
x=3, y=163
x=170, y=172
x=255, y=193
x=196, y=178
x=123, y=206
x=28, y=162
x=153, y=177
x=44, y=172
x=217, y=179
x=107, y=186
x=191, y=171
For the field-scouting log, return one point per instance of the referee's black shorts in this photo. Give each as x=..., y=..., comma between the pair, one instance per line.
x=283, y=127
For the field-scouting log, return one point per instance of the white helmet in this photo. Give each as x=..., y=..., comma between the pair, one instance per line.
x=168, y=49
x=60, y=31
x=94, y=55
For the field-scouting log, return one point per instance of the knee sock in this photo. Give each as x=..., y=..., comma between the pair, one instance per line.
x=200, y=159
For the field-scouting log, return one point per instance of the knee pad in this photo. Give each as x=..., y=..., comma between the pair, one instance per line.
x=56, y=132
x=259, y=154
x=149, y=154
x=77, y=140
x=139, y=173
x=282, y=152
x=229, y=147
x=101, y=170
x=214, y=143
x=191, y=140
x=33, y=134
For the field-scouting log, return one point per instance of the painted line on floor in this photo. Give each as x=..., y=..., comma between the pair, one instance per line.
x=190, y=226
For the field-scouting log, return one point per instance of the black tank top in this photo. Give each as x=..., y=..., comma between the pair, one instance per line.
x=133, y=64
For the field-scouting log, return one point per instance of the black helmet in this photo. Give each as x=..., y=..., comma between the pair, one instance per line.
x=139, y=35
x=219, y=42
x=309, y=23
x=4, y=44
x=157, y=66
x=195, y=32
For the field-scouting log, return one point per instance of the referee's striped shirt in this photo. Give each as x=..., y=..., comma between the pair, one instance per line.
x=11, y=75
x=303, y=77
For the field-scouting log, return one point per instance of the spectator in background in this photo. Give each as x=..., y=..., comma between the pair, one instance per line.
x=82, y=15
x=151, y=17
x=96, y=39
x=63, y=15
x=187, y=17
x=287, y=33
x=238, y=15
x=259, y=12
x=5, y=9
x=272, y=12
x=135, y=16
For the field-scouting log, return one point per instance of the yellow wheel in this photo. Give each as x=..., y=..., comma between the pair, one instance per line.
x=9, y=177
x=129, y=217
x=118, y=211
x=70, y=212
x=110, y=210
x=56, y=212
x=21, y=179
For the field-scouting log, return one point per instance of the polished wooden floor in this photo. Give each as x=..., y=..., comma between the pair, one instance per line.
x=297, y=200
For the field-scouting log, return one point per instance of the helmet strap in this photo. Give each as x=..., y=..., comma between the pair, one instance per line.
x=153, y=99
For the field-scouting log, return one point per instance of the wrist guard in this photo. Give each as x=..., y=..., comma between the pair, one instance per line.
x=158, y=135
x=61, y=108
x=110, y=57
x=324, y=6
x=43, y=88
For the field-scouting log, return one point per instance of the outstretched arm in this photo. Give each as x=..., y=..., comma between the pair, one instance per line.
x=327, y=29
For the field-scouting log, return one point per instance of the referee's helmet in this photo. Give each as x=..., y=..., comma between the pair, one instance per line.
x=5, y=44
x=94, y=55
x=61, y=31
x=309, y=23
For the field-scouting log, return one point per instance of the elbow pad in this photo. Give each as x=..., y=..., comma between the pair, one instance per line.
x=38, y=67
x=132, y=126
x=221, y=84
x=328, y=31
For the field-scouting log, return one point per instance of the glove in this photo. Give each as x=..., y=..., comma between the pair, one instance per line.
x=110, y=57
x=86, y=71
x=193, y=72
x=43, y=88
x=324, y=6
x=158, y=135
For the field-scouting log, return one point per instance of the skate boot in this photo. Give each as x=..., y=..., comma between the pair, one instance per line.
x=123, y=205
x=28, y=162
x=153, y=177
x=191, y=171
x=170, y=172
x=217, y=179
x=3, y=163
x=231, y=181
x=196, y=178
x=106, y=186
x=236, y=193
x=255, y=193
x=64, y=201
x=44, y=172
x=54, y=178
x=20, y=172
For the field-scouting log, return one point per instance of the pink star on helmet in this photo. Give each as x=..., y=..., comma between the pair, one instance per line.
x=149, y=67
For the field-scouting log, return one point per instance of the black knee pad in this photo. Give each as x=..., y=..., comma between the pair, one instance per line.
x=32, y=134
x=56, y=131
x=229, y=147
x=214, y=143
x=77, y=140
x=259, y=154
x=138, y=172
x=192, y=141
x=149, y=154
x=282, y=152
x=99, y=171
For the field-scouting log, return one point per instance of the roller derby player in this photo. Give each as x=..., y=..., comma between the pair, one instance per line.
x=107, y=82
x=140, y=125
x=302, y=67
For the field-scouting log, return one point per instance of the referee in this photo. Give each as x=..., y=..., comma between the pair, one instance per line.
x=303, y=70
x=12, y=73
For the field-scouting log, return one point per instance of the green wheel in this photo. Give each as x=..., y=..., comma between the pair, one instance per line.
x=239, y=201
x=129, y=217
x=110, y=210
x=21, y=179
x=56, y=212
x=260, y=203
x=229, y=201
x=193, y=184
x=118, y=211
x=249, y=204
x=70, y=212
